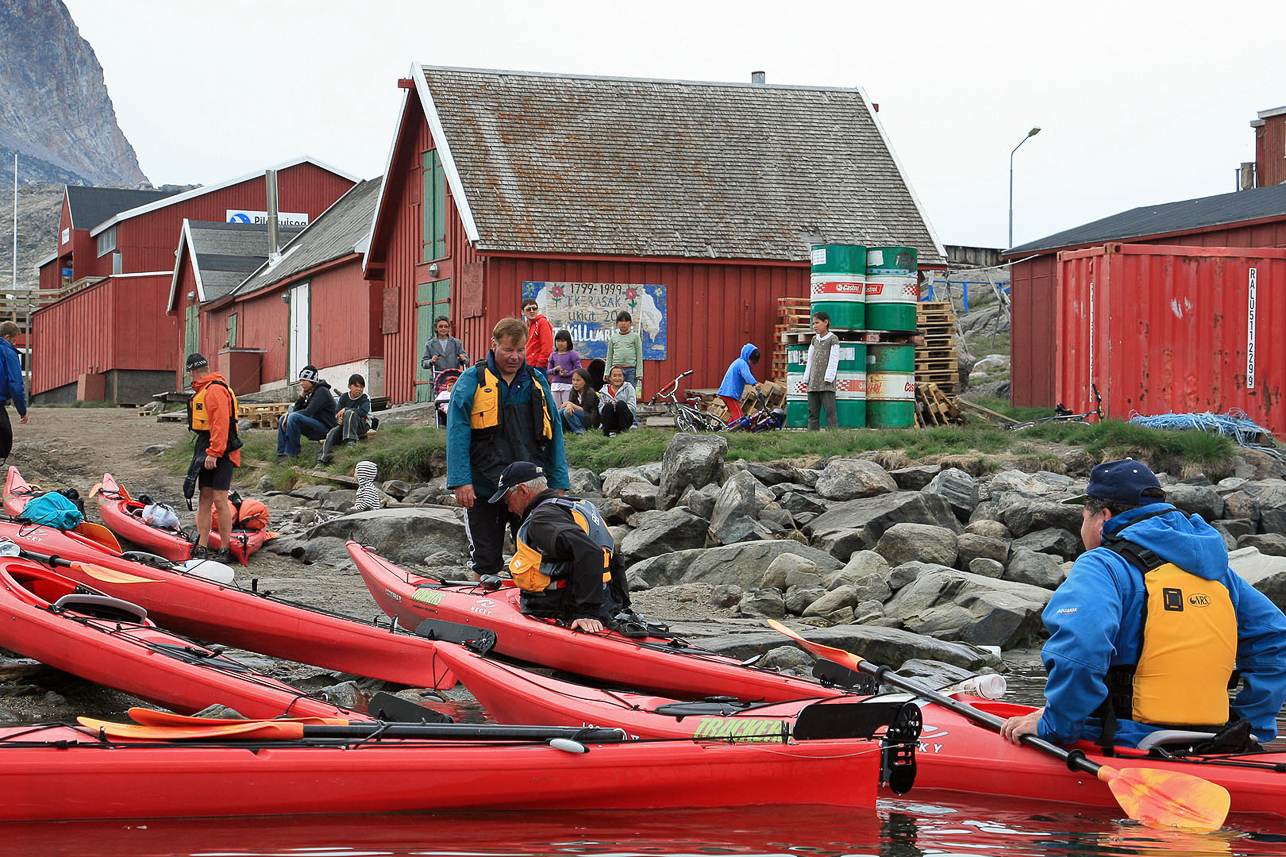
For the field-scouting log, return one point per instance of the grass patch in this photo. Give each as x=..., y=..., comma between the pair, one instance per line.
x=983, y=346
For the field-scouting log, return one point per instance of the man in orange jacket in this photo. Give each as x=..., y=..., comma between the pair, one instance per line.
x=212, y=415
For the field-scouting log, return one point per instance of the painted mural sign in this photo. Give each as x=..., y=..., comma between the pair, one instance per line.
x=588, y=311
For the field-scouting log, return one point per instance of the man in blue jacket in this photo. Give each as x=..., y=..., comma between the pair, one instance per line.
x=1150, y=625
x=501, y=411
x=11, y=389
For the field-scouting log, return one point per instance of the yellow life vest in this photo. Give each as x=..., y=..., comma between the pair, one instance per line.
x=526, y=566
x=486, y=403
x=1188, y=651
x=199, y=415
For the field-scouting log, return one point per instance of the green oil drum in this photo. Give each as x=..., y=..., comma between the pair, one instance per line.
x=796, y=385
x=838, y=284
x=890, y=385
x=850, y=385
x=892, y=288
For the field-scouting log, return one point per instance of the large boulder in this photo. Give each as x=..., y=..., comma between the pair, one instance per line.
x=615, y=480
x=675, y=529
x=584, y=481
x=701, y=500
x=849, y=479
x=951, y=604
x=920, y=542
x=1028, y=517
x=1034, y=568
x=971, y=546
x=959, y=488
x=858, y=524
x=400, y=535
x=691, y=459
x=742, y=496
x=1053, y=540
x=879, y=645
x=1272, y=544
x=1030, y=485
x=1265, y=573
x=741, y=564
x=860, y=565
x=1195, y=500
x=643, y=496
x=1253, y=498
x=915, y=478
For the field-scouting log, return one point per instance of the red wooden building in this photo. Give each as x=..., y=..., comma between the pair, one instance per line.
x=693, y=204
x=1243, y=219
x=1270, y=147
x=112, y=321
x=312, y=305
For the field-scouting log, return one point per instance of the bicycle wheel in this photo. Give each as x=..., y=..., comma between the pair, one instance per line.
x=711, y=423
x=683, y=419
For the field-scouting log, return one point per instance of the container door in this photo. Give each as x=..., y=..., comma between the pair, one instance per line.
x=299, y=345
x=431, y=300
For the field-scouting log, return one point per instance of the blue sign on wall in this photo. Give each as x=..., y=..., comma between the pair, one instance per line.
x=588, y=312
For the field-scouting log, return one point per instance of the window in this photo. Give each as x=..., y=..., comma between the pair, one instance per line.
x=232, y=330
x=106, y=241
x=434, y=204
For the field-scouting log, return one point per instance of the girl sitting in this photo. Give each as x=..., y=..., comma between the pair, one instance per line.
x=580, y=411
x=617, y=403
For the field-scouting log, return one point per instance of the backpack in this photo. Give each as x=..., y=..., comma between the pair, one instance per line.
x=248, y=513
x=53, y=510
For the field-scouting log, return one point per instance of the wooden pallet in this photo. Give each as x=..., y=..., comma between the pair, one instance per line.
x=934, y=407
x=262, y=414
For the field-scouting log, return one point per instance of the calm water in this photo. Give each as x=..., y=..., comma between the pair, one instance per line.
x=921, y=823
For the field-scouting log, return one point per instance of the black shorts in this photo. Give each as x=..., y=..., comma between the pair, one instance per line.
x=220, y=478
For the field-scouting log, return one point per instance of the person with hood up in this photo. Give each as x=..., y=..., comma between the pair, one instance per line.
x=736, y=379
x=312, y=415
x=212, y=416
x=1150, y=625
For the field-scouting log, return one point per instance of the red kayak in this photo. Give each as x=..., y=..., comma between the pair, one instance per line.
x=953, y=754
x=658, y=664
x=56, y=772
x=17, y=494
x=123, y=515
x=79, y=630
x=179, y=599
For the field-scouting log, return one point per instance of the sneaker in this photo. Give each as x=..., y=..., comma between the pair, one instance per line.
x=224, y=556
x=611, y=434
x=199, y=552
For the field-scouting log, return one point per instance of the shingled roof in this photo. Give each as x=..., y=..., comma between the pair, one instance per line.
x=1149, y=220
x=222, y=255
x=341, y=230
x=90, y=206
x=594, y=165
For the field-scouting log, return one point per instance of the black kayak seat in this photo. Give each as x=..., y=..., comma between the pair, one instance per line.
x=100, y=607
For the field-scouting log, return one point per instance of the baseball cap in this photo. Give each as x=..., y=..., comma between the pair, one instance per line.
x=196, y=361
x=1127, y=481
x=513, y=476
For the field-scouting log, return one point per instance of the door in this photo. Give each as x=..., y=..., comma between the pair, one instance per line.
x=299, y=345
x=191, y=331
x=431, y=300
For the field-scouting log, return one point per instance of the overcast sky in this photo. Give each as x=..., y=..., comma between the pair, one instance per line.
x=1138, y=102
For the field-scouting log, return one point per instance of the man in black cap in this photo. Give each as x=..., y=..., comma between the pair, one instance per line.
x=212, y=415
x=1149, y=625
x=563, y=557
x=312, y=415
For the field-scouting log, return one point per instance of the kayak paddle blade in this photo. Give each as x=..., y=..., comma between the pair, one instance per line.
x=152, y=717
x=108, y=575
x=1168, y=799
x=258, y=729
x=208, y=569
x=839, y=656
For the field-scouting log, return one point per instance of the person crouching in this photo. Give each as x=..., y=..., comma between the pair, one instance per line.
x=563, y=557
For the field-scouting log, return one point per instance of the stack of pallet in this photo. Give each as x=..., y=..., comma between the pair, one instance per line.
x=934, y=407
x=935, y=359
x=793, y=314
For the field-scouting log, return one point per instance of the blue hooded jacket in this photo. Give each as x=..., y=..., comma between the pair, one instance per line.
x=738, y=374
x=11, y=378
x=1095, y=621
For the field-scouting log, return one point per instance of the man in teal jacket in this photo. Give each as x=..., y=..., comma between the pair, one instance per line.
x=1124, y=642
x=501, y=411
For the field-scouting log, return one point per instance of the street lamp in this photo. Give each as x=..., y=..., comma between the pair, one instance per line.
x=1032, y=133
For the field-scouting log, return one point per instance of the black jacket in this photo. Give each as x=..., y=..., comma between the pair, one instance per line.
x=560, y=539
x=319, y=404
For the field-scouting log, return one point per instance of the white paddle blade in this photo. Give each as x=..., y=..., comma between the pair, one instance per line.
x=209, y=569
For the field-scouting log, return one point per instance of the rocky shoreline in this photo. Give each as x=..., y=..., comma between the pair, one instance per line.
x=928, y=568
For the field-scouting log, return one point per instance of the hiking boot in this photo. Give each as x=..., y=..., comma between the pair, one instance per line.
x=224, y=556
x=199, y=552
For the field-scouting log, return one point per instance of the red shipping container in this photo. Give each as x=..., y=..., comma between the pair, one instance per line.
x=1166, y=329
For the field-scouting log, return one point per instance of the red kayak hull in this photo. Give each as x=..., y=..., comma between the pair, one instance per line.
x=653, y=663
x=225, y=613
x=120, y=513
x=63, y=773
x=954, y=754
x=133, y=656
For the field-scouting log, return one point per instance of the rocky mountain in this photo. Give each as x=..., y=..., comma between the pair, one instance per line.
x=56, y=115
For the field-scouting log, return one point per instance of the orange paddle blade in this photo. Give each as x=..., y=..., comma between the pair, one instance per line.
x=152, y=717
x=99, y=533
x=1168, y=799
x=258, y=729
x=830, y=653
x=93, y=492
x=109, y=575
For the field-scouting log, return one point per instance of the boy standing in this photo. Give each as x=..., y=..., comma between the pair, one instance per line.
x=820, y=371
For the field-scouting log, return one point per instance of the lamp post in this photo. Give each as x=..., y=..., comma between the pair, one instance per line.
x=1032, y=133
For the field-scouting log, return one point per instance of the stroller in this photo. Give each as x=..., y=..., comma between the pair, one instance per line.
x=442, y=383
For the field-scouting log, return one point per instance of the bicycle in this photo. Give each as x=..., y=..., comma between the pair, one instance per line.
x=761, y=420
x=1063, y=414
x=687, y=417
